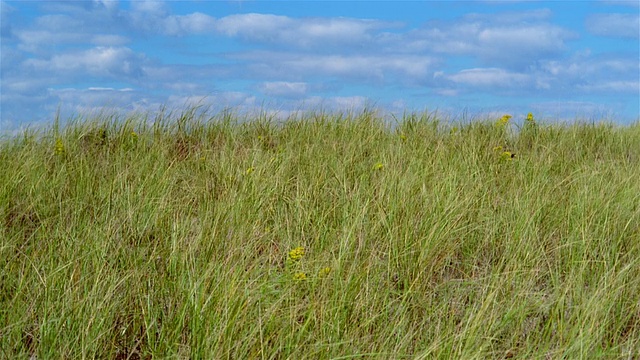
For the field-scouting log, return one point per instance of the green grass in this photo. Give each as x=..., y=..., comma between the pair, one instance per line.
x=139, y=239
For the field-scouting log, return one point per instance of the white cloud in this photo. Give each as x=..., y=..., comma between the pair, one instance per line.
x=41, y=41
x=583, y=73
x=150, y=7
x=349, y=102
x=614, y=25
x=300, y=32
x=335, y=103
x=110, y=5
x=9, y=58
x=70, y=102
x=219, y=100
x=56, y=22
x=185, y=87
x=98, y=61
x=94, y=96
x=253, y=26
x=370, y=67
x=490, y=78
x=99, y=88
x=98, y=26
x=536, y=38
x=595, y=69
x=508, y=40
x=154, y=16
x=196, y=23
x=510, y=17
x=22, y=85
x=284, y=88
x=619, y=86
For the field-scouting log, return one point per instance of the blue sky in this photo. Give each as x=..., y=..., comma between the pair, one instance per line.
x=558, y=59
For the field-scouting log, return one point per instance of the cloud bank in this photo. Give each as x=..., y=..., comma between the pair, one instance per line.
x=138, y=55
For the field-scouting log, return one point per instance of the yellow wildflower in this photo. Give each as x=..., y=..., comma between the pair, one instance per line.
x=508, y=156
x=59, y=147
x=300, y=276
x=504, y=120
x=296, y=254
x=378, y=166
x=324, y=271
x=530, y=117
x=249, y=171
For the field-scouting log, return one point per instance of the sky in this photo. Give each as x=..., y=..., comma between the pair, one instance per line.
x=557, y=59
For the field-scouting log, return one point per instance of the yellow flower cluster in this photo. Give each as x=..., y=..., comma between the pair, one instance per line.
x=504, y=154
x=507, y=156
x=324, y=272
x=378, y=166
x=59, y=147
x=299, y=276
x=296, y=254
x=296, y=267
x=530, y=118
x=504, y=120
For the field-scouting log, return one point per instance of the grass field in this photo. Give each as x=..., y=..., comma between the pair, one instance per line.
x=329, y=237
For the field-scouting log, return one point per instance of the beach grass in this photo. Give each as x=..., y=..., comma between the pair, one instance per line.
x=329, y=236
